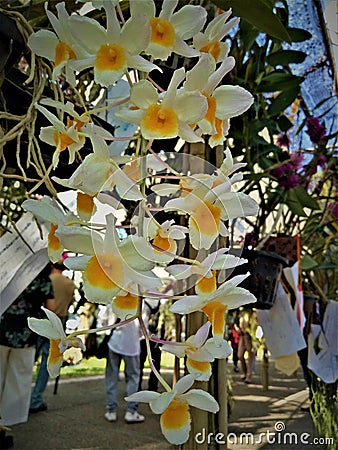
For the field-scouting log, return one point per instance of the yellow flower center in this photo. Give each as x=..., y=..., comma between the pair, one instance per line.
x=133, y=171
x=105, y=271
x=162, y=32
x=127, y=302
x=160, y=120
x=210, y=115
x=219, y=127
x=184, y=188
x=110, y=57
x=63, y=52
x=199, y=365
x=176, y=415
x=78, y=124
x=216, y=315
x=85, y=203
x=62, y=140
x=53, y=241
x=54, y=351
x=206, y=218
x=206, y=285
x=213, y=48
x=163, y=242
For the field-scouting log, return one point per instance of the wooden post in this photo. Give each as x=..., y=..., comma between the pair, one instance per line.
x=202, y=421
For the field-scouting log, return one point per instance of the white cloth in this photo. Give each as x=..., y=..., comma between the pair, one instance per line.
x=125, y=339
x=16, y=373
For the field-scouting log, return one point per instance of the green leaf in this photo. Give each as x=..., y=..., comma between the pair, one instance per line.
x=282, y=101
x=278, y=81
x=298, y=34
x=297, y=199
x=284, y=124
x=305, y=199
x=293, y=203
x=258, y=14
x=308, y=263
x=286, y=57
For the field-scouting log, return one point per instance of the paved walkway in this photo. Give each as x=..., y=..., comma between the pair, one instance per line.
x=74, y=420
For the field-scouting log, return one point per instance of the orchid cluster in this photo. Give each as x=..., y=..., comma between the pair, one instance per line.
x=195, y=107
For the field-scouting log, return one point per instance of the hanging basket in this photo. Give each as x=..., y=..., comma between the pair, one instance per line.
x=265, y=269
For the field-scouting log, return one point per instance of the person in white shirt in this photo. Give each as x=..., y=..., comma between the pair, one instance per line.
x=123, y=344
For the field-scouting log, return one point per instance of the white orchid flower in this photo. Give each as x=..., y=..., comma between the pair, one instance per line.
x=71, y=136
x=52, y=329
x=199, y=356
x=209, y=41
x=224, y=101
x=215, y=304
x=112, y=51
x=60, y=47
x=162, y=237
x=99, y=172
x=169, y=29
x=48, y=210
x=206, y=270
x=166, y=116
x=174, y=407
x=110, y=265
x=208, y=208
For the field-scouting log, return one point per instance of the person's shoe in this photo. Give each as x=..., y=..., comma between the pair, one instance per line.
x=111, y=416
x=42, y=407
x=5, y=441
x=236, y=369
x=133, y=417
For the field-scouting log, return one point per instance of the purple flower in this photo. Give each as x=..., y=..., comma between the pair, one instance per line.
x=315, y=129
x=293, y=181
x=283, y=140
x=321, y=161
x=333, y=206
x=279, y=172
x=297, y=159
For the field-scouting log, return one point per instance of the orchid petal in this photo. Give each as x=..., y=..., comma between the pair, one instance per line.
x=43, y=327
x=202, y=400
x=142, y=396
x=188, y=21
x=231, y=101
x=183, y=384
x=160, y=403
x=43, y=43
x=220, y=351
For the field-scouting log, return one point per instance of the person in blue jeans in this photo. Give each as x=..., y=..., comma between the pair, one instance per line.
x=63, y=289
x=123, y=344
x=37, y=404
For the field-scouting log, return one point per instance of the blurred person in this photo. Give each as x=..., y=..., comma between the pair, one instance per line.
x=17, y=350
x=124, y=344
x=245, y=345
x=64, y=289
x=234, y=341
